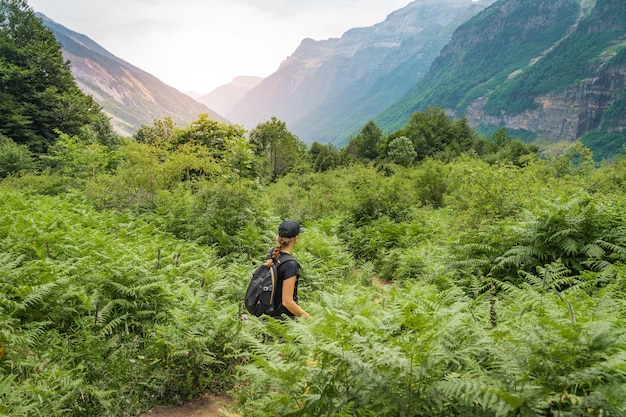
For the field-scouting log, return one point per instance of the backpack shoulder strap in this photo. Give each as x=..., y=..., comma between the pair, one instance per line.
x=285, y=257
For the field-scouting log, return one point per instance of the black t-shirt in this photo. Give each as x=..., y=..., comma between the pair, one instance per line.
x=286, y=268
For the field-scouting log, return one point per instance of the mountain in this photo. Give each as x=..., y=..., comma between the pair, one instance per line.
x=549, y=71
x=326, y=90
x=226, y=96
x=131, y=96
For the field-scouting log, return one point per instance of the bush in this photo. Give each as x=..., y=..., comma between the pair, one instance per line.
x=224, y=214
x=14, y=158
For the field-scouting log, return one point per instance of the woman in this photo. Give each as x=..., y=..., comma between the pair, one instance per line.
x=286, y=293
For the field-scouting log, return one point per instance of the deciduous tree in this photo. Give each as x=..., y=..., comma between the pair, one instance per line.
x=323, y=157
x=281, y=149
x=401, y=151
x=209, y=133
x=434, y=133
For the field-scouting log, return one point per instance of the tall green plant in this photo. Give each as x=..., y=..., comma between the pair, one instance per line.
x=578, y=233
x=415, y=352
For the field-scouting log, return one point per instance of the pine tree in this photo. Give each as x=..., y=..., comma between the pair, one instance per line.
x=38, y=94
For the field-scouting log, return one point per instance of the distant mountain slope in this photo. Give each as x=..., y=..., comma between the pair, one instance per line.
x=131, y=96
x=343, y=114
x=547, y=70
x=328, y=89
x=226, y=96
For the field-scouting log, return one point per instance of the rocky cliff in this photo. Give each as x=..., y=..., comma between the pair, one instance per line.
x=565, y=115
x=571, y=112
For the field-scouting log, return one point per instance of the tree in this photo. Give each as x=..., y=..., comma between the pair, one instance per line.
x=70, y=156
x=161, y=132
x=280, y=149
x=323, y=157
x=401, y=151
x=576, y=159
x=212, y=134
x=432, y=182
x=239, y=157
x=504, y=148
x=434, y=133
x=14, y=158
x=368, y=140
x=38, y=94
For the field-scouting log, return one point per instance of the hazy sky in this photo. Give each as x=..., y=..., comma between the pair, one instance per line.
x=197, y=45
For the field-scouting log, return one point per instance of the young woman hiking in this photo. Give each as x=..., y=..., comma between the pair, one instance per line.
x=286, y=293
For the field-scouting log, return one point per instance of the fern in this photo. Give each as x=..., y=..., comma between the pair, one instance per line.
x=109, y=327
x=39, y=294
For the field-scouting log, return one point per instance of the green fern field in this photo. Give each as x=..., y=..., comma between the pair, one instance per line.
x=447, y=274
x=507, y=300
x=102, y=312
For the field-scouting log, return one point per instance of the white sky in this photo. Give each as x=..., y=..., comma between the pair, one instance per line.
x=198, y=45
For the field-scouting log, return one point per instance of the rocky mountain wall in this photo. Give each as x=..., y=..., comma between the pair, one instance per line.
x=565, y=115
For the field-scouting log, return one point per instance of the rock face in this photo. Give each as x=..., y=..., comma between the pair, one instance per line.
x=131, y=97
x=341, y=83
x=566, y=115
x=570, y=113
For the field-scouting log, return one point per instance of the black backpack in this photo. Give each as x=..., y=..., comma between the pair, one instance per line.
x=259, y=298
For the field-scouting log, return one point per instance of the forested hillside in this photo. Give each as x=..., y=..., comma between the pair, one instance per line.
x=447, y=273
x=328, y=88
x=550, y=71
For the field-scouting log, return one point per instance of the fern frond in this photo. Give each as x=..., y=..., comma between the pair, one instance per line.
x=597, y=264
x=112, y=306
x=34, y=332
x=472, y=389
x=593, y=251
x=612, y=247
x=109, y=328
x=122, y=290
x=39, y=294
x=569, y=246
x=10, y=261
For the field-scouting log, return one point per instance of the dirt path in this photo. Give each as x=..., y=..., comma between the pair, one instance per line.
x=208, y=405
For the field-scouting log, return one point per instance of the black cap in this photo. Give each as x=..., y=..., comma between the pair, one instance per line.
x=289, y=229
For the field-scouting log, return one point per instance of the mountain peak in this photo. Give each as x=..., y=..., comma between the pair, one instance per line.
x=226, y=96
x=327, y=89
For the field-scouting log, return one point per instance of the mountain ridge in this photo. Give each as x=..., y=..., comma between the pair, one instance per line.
x=550, y=72
x=547, y=71
x=223, y=98
x=129, y=95
x=320, y=74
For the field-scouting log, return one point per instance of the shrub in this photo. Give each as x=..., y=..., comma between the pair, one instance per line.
x=14, y=158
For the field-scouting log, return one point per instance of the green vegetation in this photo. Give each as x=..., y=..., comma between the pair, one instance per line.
x=508, y=61
x=447, y=273
x=568, y=64
x=38, y=94
x=491, y=53
x=466, y=286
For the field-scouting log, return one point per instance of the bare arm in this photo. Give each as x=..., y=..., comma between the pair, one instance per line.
x=288, y=288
